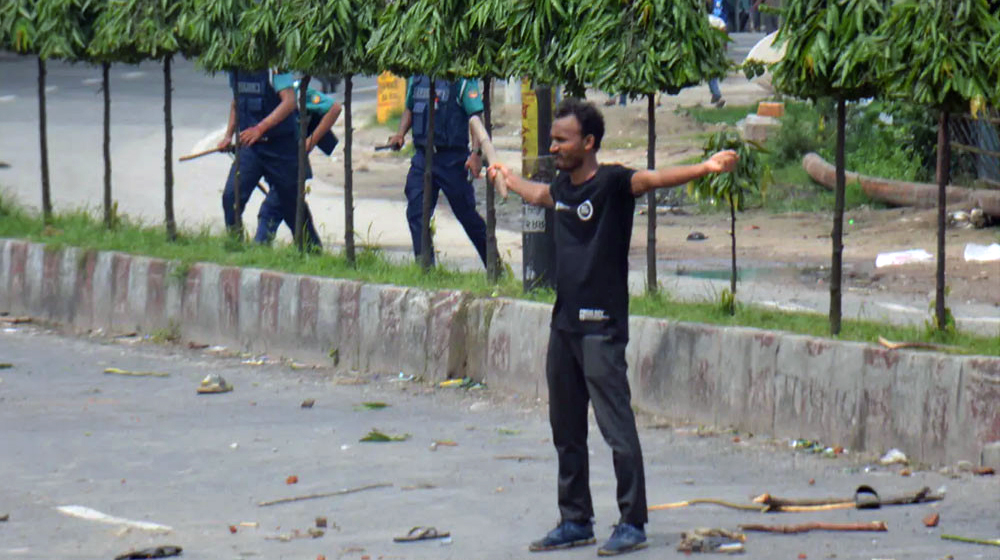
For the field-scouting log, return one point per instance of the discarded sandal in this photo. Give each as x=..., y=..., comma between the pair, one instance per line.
x=155, y=552
x=419, y=533
x=214, y=383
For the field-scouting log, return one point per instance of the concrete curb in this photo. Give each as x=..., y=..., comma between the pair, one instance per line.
x=935, y=407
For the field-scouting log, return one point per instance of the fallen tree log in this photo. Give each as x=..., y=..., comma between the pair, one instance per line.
x=903, y=193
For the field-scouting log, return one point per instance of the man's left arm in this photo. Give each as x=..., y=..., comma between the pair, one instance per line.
x=324, y=126
x=285, y=107
x=648, y=180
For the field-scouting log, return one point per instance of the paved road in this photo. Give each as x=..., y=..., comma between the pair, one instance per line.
x=150, y=449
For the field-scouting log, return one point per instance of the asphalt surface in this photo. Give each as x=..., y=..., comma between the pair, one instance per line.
x=150, y=449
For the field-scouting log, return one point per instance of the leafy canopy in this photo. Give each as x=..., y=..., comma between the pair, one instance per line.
x=657, y=45
x=751, y=176
x=831, y=48
x=944, y=53
x=134, y=30
x=420, y=37
x=329, y=36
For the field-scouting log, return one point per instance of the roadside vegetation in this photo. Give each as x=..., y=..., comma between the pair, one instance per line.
x=84, y=229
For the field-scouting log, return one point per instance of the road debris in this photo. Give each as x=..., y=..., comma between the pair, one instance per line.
x=214, y=383
x=420, y=533
x=892, y=345
x=898, y=258
x=375, y=436
x=292, y=480
x=932, y=520
x=372, y=405
x=696, y=501
x=518, y=458
x=4, y=517
x=310, y=533
x=463, y=383
x=252, y=524
x=865, y=497
x=419, y=486
x=118, y=371
x=233, y=529
x=696, y=236
x=971, y=540
x=93, y=515
x=878, y=526
x=197, y=345
x=982, y=253
x=6, y=365
x=324, y=494
x=508, y=431
x=711, y=540
x=983, y=471
x=15, y=320
x=308, y=403
x=155, y=552
x=321, y=522
x=892, y=457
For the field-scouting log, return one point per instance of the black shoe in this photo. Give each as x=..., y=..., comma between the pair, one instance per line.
x=567, y=535
x=625, y=538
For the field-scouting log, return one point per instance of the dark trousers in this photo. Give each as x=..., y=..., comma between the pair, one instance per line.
x=282, y=178
x=448, y=175
x=582, y=368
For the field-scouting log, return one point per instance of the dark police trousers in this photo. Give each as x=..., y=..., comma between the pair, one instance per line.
x=592, y=367
x=449, y=175
x=282, y=177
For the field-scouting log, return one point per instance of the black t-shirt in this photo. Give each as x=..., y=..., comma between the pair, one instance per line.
x=593, y=229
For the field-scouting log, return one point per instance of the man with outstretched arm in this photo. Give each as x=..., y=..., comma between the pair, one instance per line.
x=594, y=205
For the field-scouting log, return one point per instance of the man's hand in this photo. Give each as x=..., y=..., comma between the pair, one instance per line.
x=474, y=164
x=500, y=168
x=310, y=144
x=225, y=144
x=250, y=136
x=397, y=141
x=721, y=162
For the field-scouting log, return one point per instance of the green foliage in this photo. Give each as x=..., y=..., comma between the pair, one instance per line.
x=751, y=176
x=656, y=45
x=214, y=32
x=18, y=27
x=830, y=48
x=489, y=52
x=66, y=27
x=562, y=42
x=329, y=36
x=420, y=37
x=943, y=53
x=135, y=30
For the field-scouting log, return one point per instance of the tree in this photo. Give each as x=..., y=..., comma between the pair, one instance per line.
x=134, y=30
x=751, y=176
x=19, y=31
x=657, y=45
x=829, y=54
x=419, y=37
x=331, y=37
x=942, y=54
x=212, y=29
x=490, y=57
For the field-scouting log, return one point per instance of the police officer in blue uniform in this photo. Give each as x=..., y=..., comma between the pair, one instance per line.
x=267, y=140
x=322, y=111
x=455, y=102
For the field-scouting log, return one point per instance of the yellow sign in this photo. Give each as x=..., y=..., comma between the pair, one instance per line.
x=529, y=129
x=391, y=96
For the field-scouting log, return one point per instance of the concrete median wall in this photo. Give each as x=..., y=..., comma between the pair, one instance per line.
x=936, y=407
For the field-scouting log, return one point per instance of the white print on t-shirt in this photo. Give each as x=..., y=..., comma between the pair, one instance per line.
x=585, y=210
x=593, y=315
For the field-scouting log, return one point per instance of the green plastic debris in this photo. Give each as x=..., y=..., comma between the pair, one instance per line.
x=376, y=436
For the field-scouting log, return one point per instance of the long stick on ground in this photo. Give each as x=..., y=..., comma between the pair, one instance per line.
x=685, y=503
x=806, y=527
x=324, y=494
x=991, y=542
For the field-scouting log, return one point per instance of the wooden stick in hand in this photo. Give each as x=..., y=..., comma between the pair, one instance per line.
x=499, y=183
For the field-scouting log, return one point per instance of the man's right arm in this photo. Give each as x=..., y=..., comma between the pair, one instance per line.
x=534, y=193
x=397, y=140
x=227, y=140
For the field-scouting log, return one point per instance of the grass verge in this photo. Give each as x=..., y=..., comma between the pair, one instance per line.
x=80, y=229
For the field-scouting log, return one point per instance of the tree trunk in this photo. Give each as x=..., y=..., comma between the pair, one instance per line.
x=237, y=231
x=44, y=144
x=836, y=266
x=168, y=152
x=651, y=284
x=300, y=200
x=732, y=233
x=106, y=88
x=426, y=246
x=348, y=173
x=943, y=175
x=492, y=258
